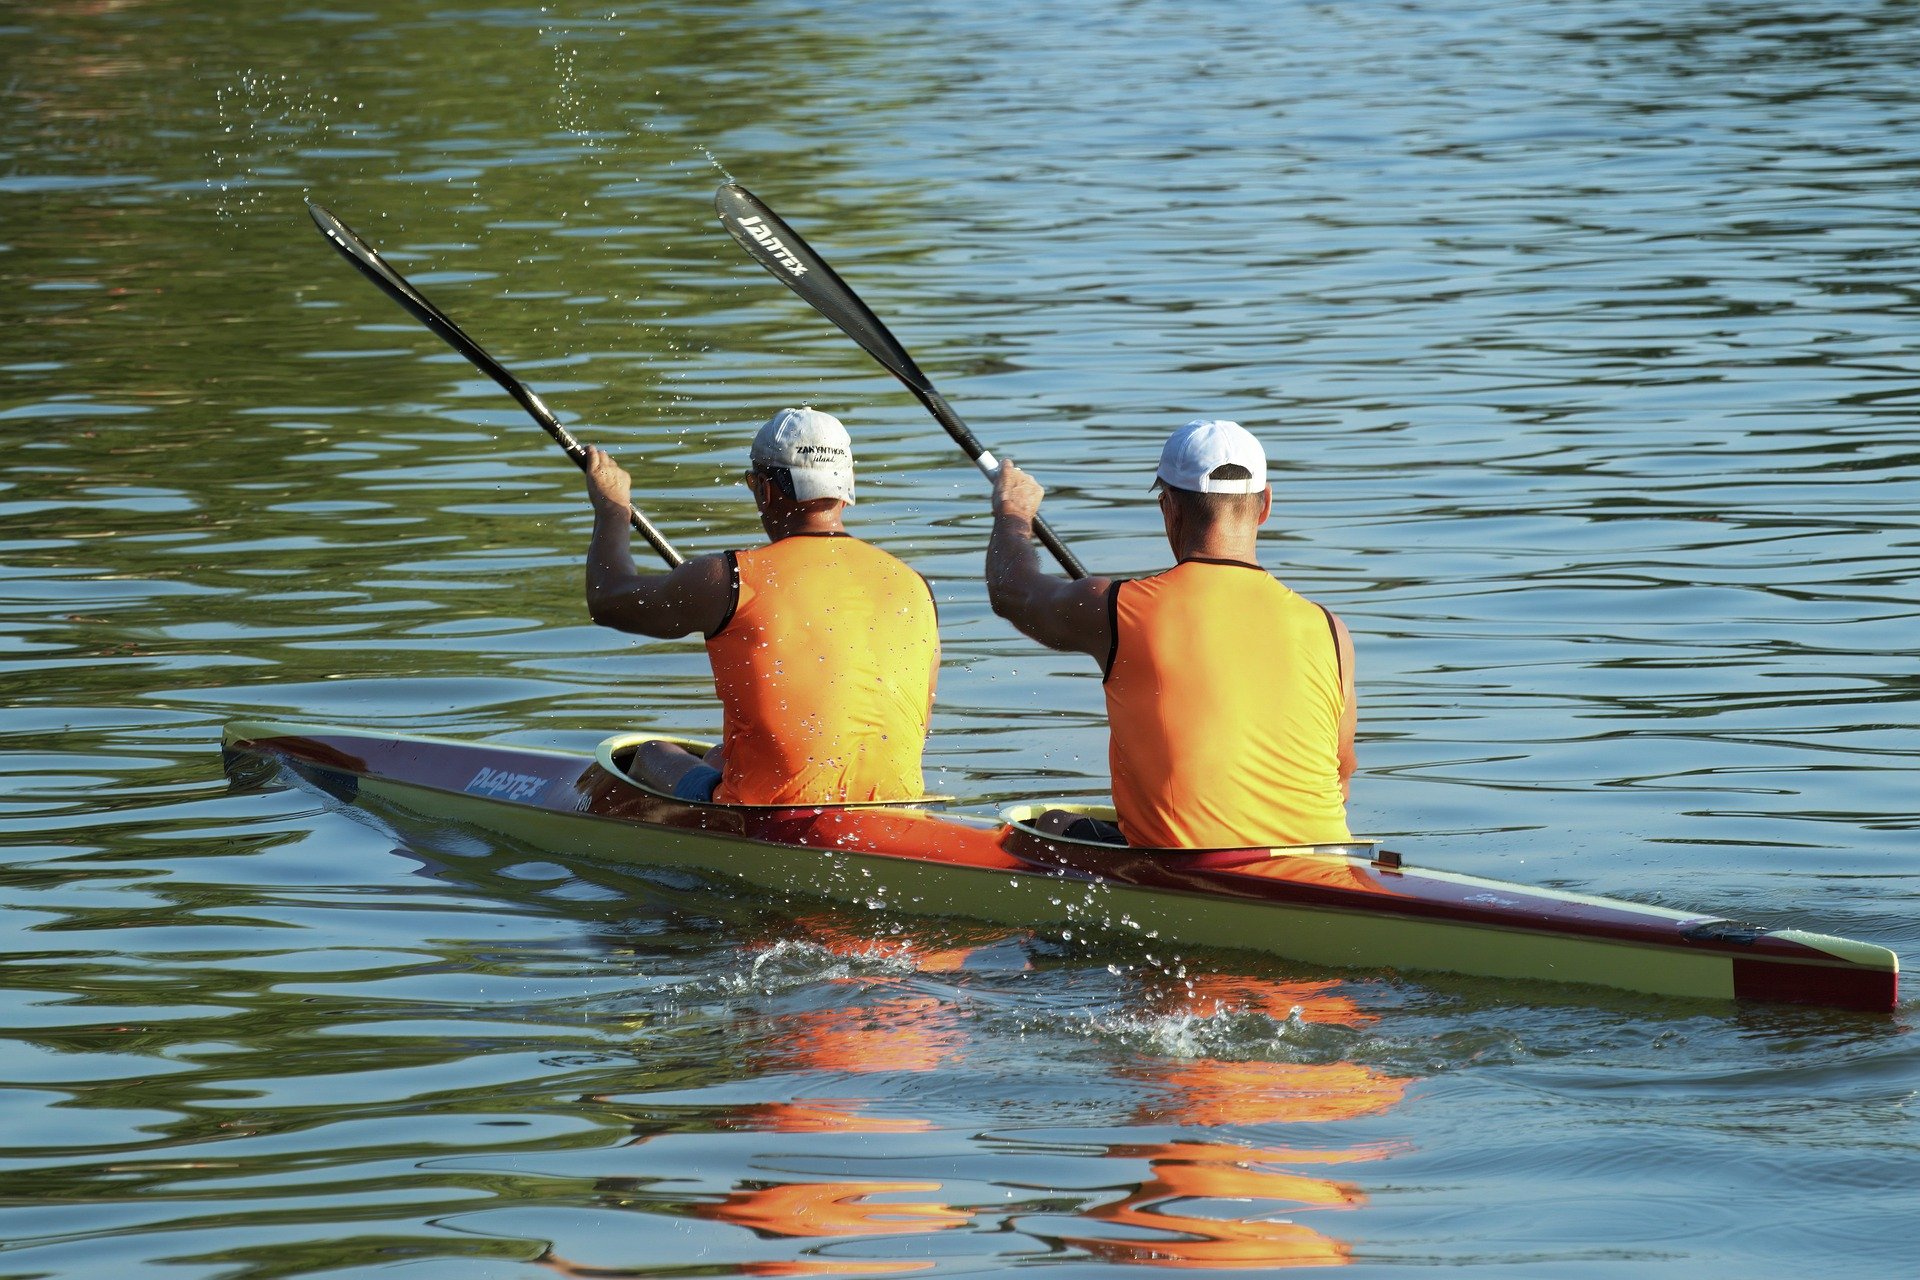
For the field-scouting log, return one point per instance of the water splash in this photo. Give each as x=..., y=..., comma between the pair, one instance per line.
x=574, y=86
x=794, y=962
x=267, y=121
x=569, y=100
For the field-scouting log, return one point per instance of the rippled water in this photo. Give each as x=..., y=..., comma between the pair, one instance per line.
x=1580, y=335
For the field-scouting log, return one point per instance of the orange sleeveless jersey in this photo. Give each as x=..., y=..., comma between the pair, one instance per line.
x=1223, y=701
x=825, y=671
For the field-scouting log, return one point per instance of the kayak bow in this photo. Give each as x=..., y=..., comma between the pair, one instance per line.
x=1349, y=905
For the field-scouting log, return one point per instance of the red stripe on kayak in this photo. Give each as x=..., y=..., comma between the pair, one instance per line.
x=1836, y=986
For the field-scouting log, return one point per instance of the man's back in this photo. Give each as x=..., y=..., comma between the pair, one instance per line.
x=1224, y=698
x=825, y=672
x=1230, y=699
x=824, y=648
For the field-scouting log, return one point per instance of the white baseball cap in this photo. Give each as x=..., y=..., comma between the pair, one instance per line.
x=1195, y=451
x=814, y=451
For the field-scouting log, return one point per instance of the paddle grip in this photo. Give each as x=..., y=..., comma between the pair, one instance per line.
x=578, y=452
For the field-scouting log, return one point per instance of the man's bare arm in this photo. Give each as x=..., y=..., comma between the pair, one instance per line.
x=1061, y=613
x=696, y=596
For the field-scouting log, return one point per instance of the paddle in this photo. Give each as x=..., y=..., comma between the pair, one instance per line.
x=375, y=268
x=780, y=249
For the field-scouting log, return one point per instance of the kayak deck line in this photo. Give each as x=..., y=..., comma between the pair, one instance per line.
x=1346, y=905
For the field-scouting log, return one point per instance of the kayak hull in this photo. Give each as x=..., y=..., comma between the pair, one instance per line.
x=1339, y=906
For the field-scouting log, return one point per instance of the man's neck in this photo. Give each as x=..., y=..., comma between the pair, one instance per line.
x=1220, y=545
x=792, y=524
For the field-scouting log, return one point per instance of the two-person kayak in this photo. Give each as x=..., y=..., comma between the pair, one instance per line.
x=1351, y=905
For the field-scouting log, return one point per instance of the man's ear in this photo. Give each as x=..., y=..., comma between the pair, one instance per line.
x=1266, y=505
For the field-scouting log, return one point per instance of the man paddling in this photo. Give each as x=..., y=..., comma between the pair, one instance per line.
x=824, y=648
x=1230, y=702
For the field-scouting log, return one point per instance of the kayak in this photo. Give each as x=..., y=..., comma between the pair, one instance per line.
x=1355, y=905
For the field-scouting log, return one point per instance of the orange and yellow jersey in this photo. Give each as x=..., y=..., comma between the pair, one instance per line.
x=1224, y=702
x=825, y=669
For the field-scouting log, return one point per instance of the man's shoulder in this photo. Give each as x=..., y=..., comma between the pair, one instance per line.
x=902, y=578
x=845, y=553
x=876, y=553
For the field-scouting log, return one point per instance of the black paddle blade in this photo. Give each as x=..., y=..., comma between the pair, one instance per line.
x=375, y=268
x=368, y=262
x=781, y=250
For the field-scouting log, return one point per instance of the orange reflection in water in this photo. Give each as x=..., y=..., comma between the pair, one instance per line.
x=1202, y=1204
x=806, y=1209
x=1206, y=1091
x=904, y=1033
x=1214, y=1091
x=786, y=1267
x=908, y=1033
x=1211, y=1092
x=818, y=1115
x=1205, y=995
x=1184, y=1172
x=841, y=939
x=809, y=1267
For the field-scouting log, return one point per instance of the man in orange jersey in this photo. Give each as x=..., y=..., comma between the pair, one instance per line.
x=824, y=648
x=1230, y=702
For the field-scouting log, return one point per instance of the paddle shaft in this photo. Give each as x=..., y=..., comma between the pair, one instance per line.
x=377, y=269
x=783, y=252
